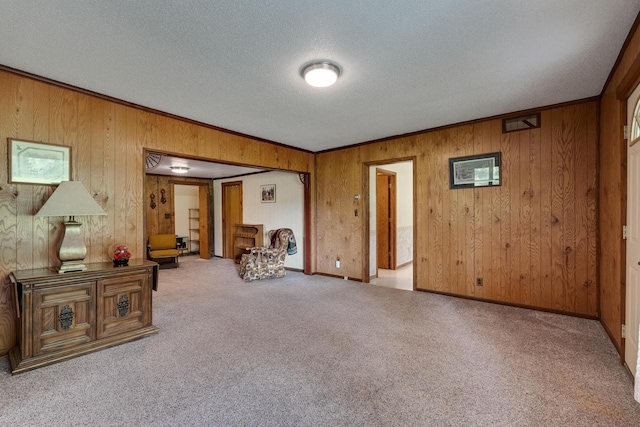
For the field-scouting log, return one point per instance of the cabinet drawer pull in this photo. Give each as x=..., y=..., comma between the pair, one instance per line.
x=123, y=305
x=66, y=317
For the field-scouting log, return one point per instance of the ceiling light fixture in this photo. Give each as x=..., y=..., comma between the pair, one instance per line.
x=179, y=169
x=320, y=73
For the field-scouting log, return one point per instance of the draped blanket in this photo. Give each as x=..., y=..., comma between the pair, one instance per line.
x=292, y=249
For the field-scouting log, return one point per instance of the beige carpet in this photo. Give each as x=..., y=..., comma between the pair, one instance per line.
x=311, y=350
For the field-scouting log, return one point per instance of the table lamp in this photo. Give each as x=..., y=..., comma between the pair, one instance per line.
x=71, y=199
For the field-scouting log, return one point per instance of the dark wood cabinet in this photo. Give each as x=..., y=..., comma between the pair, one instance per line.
x=61, y=316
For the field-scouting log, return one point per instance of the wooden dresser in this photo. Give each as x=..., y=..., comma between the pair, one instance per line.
x=61, y=316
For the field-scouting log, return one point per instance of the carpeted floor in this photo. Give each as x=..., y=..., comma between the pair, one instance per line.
x=312, y=350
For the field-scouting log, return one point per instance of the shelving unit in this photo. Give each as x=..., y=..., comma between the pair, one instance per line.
x=194, y=231
x=246, y=236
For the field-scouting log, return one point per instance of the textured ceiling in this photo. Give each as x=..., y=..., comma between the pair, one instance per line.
x=408, y=65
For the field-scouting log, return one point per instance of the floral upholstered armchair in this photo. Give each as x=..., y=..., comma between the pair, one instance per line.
x=264, y=263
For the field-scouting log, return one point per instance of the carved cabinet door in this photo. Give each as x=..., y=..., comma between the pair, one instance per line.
x=63, y=317
x=123, y=304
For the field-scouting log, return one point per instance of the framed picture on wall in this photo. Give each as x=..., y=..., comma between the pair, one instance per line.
x=268, y=193
x=33, y=162
x=475, y=171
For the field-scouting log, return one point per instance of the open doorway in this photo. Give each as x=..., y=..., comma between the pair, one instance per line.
x=390, y=224
x=191, y=213
x=231, y=215
x=287, y=207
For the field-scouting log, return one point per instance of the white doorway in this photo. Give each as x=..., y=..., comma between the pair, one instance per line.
x=632, y=297
x=400, y=274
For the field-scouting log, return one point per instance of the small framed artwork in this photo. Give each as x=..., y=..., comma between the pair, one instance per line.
x=33, y=162
x=268, y=193
x=475, y=171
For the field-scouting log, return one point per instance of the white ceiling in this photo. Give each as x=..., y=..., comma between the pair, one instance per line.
x=200, y=169
x=408, y=65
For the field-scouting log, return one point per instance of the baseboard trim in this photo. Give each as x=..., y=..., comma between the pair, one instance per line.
x=404, y=264
x=299, y=270
x=375, y=276
x=335, y=276
x=510, y=304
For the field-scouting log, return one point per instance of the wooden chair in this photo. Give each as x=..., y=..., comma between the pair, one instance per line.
x=163, y=249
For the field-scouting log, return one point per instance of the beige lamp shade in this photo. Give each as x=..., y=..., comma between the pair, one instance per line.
x=71, y=198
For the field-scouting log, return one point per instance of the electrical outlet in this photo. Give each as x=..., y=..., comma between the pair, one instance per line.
x=338, y=263
x=479, y=281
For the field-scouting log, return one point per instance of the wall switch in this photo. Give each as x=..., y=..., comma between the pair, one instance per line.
x=479, y=281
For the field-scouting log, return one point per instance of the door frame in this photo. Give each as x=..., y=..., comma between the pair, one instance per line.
x=224, y=186
x=205, y=215
x=623, y=91
x=366, y=215
x=392, y=229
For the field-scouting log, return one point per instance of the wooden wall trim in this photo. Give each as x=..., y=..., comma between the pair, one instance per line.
x=528, y=307
x=469, y=122
x=625, y=45
x=629, y=81
x=140, y=107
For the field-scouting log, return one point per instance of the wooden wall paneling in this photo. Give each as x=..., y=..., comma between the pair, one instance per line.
x=449, y=213
x=504, y=200
x=570, y=119
x=510, y=217
x=453, y=247
x=9, y=124
x=522, y=228
x=24, y=202
x=120, y=177
x=96, y=185
x=442, y=213
x=142, y=140
x=78, y=114
x=41, y=193
x=582, y=183
x=191, y=143
x=467, y=261
x=421, y=217
x=592, y=211
x=498, y=233
x=352, y=167
x=110, y=181
x=151, y=215
x=129, y=202
x=559, y=278
x=547, y=220
x=166, y=223
x=481, y=206
x=535, y=219
x=176, y=134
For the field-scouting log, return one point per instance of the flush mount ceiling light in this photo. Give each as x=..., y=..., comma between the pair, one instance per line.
x=179, y=169
x=320, y=73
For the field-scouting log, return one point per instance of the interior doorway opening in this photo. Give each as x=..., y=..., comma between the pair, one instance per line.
x=389, y=219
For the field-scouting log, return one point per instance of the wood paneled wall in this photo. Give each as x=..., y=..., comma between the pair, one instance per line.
x=107, y=141
x=612, y=193
x=532, y=240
